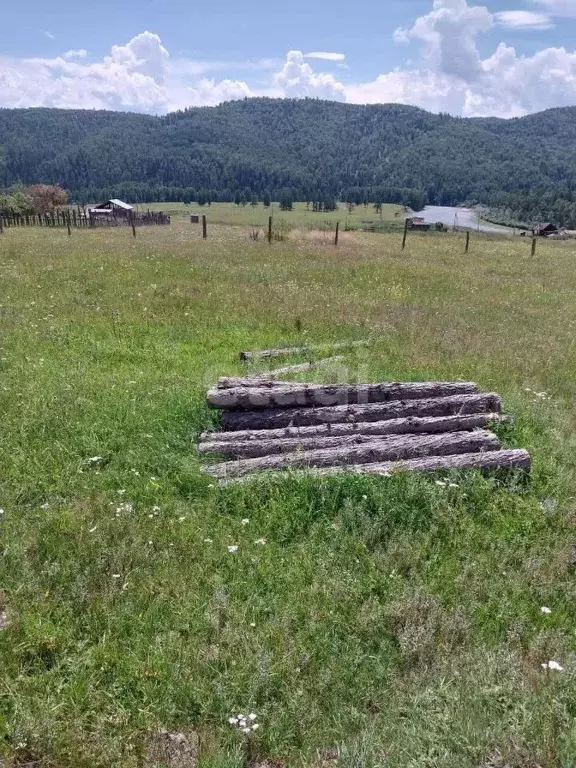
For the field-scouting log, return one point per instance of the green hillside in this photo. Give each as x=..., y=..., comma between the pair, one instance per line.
x=381, y=153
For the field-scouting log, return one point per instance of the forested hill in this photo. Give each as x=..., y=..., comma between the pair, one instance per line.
x=316, y=148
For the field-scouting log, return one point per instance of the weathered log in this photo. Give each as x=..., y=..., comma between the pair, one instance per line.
x=288, y=351
x=269, y=378
x=386, y=449
x=517, y=460
x=234, y=448
x=293, y=395
x=342, y=414
x=235, y=382
x=414, y=424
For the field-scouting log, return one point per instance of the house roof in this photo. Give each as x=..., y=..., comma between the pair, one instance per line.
x=121, y=204
x=116, y=203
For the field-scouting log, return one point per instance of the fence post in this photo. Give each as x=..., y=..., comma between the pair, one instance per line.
x=69, y=224
x=1, y=226
x=133, y=226
x=336, y=233
x=269, y=229
x=533, y=246
x=467, y=241
x=405, y=234
x=204, y=229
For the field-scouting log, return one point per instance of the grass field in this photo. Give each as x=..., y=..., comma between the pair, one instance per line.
x=299, y=218
x=369, y=623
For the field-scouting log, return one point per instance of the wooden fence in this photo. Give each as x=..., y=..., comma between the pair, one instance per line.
x=80, y=219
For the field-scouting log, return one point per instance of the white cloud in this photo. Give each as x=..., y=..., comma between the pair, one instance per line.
x=447, y=72
x=49, y=35
x=138, y=76
x=325, y=55
x=451, y=75
x=558, y=7
x=80, y=53
x=448, y=34
x=524, y=20
x=297, y=79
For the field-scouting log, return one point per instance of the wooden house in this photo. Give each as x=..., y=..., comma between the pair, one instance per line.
x=114, y=208
x=418, y=222
x=545, y=229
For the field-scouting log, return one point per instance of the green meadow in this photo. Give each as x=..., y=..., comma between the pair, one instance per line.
x=367, y=622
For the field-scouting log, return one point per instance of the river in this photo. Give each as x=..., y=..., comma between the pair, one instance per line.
x=464, y=218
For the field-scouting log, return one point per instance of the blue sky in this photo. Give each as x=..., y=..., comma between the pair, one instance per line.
x=497, y=57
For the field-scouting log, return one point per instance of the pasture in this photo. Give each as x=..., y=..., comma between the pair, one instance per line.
x=301, y=217
x=367, y=622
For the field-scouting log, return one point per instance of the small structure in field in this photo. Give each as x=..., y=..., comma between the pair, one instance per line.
x=194, y=218
x=114, y=207
x=418, y=222
x=545, y=229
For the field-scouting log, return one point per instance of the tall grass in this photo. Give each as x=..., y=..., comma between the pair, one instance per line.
x=368, y=622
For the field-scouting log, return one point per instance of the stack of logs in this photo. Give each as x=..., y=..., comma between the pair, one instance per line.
x=355, y=428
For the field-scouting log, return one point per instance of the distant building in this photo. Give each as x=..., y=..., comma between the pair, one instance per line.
x=545, y=229
x=114, y=208
x=418, y=222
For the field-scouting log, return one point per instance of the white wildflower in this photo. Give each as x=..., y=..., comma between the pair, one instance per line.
x=208, y=541
x=245, y=521
x=260, y=541
x=233, y=548
x=181, y=519
x=245, y=724
x=252, y=624
x=553, y=665
x=94, y=459
x=92, y=530
x=545, y=610
x=453, y=485
x=45, y=505
x=364, y=497
x=440, y=484
x=115, y=575
x=1, y=511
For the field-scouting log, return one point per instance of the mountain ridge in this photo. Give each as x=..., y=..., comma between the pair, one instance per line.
x=315, y=148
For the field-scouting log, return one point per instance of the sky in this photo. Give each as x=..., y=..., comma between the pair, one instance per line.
x=505, y=58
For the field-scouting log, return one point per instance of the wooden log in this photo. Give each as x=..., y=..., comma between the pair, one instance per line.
x=289, y=351
x=261, y=444
x=234, y=382
x=231, y=382
x=411, y=425
x=386, y=449
x=292, y=395
x=515, y=460
x=348, y=414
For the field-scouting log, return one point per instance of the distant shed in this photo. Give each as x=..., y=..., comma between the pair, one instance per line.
x=545, y=229
x=114, y=207
x=418, y=222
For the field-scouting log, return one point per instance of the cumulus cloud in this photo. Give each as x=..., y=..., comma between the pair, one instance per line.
x=447, y=71
x=524, y=20
x=297, y=79
x=138, y=75
x=452, y=76
x=448, y=34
